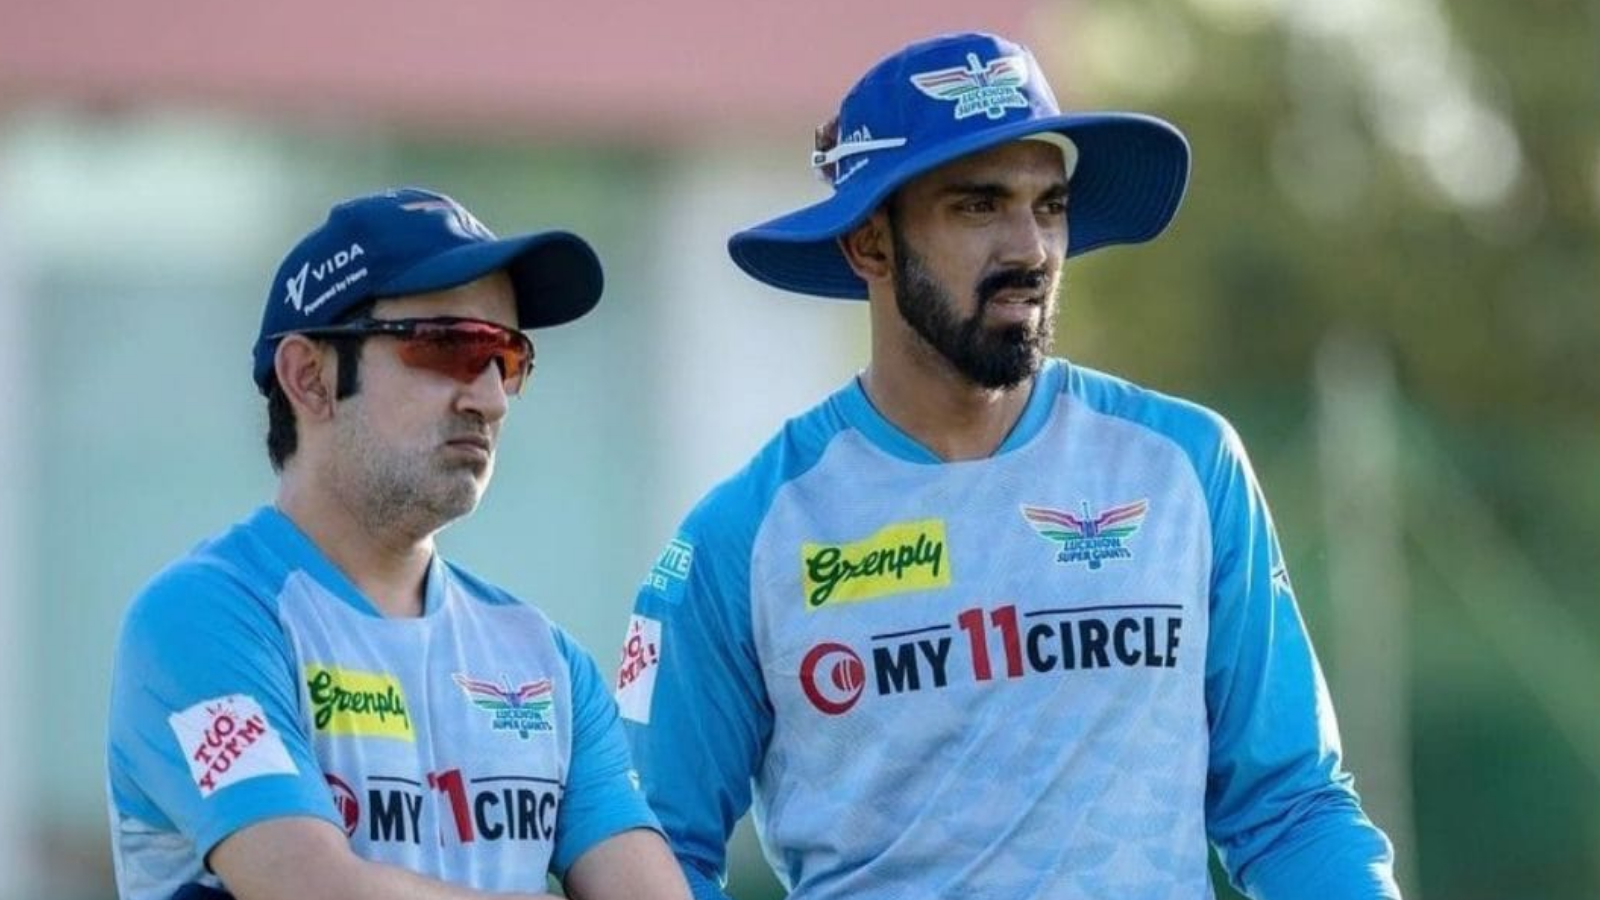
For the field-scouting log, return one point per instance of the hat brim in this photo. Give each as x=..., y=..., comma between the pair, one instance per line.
x=1129, y=181
x=555, y=275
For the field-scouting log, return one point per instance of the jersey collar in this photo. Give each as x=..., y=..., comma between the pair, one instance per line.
x=859, y=412
x=302, y=553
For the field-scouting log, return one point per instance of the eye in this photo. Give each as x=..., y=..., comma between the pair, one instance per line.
x=976, y=205
x=1054, y=207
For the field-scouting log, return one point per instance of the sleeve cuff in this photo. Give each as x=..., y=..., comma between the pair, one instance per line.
x=271, y=797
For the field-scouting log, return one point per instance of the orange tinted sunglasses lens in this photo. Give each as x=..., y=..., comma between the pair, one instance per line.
x=462, y=350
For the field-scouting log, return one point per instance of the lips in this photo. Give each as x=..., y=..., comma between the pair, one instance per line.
x=1013, y=289
x=471, y=442
x=1014, y=301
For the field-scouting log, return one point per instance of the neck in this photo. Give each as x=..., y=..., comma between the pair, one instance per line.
x=925, y=397
x=388, y=564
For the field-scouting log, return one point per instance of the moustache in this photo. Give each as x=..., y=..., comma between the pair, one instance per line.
x=469, y=427
x=1010, y=279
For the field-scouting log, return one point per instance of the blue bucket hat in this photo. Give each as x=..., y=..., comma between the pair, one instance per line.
x=945, y=98
x=413, y=241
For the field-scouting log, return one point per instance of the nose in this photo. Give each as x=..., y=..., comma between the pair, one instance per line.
x=485, y=395
x=1031, y=242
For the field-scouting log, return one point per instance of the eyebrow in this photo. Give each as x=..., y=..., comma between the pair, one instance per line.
x=996, y=191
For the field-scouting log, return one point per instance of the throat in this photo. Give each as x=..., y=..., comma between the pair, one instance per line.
x=387, y=565
x=951, y=417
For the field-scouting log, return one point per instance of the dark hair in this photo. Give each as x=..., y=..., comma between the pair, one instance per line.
x=824, y=138
x=282, y=435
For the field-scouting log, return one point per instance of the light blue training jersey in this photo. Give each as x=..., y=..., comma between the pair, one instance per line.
x=1053, y=673
x=477, y=744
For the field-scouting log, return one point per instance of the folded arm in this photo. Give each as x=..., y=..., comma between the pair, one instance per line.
x=301, y=858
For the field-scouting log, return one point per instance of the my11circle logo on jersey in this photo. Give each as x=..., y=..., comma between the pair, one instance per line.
x=986, y=645
x=832, y=677
x=467, y=810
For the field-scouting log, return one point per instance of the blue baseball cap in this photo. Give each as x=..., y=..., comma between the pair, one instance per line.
x=413, y=241
x=945, y=98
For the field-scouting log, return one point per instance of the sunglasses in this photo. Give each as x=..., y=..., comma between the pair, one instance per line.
x=452, y=346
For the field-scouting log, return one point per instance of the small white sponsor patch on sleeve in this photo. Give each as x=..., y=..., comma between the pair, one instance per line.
x=228, y=740
x=636, y=676
x=669, y=576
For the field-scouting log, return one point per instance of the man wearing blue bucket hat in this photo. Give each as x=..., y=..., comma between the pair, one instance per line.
x=315, y=704
x=986, y=623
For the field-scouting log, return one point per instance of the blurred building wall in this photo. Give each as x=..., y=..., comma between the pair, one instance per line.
x=705, y=72
x=148, y=241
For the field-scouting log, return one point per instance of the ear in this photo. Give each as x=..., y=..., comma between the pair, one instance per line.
x=308, y=374
x=869, y=248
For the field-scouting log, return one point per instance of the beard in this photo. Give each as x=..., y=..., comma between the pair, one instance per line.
x=995, y=358
x=405, y=489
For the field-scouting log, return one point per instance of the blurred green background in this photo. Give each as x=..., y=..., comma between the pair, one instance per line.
x=1386, y=273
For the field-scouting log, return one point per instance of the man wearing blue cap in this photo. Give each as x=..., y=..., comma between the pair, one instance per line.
x=986, y=623
x=314, y=704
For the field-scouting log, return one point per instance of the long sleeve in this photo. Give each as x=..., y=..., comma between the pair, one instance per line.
x=1281, y=810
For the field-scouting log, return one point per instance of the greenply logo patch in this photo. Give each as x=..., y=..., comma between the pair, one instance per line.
x=364, y=704
x=905, y=556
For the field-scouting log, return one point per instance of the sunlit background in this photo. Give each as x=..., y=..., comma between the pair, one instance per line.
x=1387, y=274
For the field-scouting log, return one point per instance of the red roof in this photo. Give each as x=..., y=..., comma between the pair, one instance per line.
x=662, y=69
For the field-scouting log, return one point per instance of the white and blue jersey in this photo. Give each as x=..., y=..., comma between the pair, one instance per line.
x=1053, y=673
x=477, y=743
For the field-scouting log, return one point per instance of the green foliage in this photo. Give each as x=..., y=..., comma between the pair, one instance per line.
x=1490, y=310
x=1306, y=215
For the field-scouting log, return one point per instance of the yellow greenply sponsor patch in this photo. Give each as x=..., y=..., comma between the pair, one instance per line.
x=904, y=556
x=366, y=704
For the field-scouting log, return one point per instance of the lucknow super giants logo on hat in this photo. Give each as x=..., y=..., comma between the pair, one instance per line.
x=978, y=88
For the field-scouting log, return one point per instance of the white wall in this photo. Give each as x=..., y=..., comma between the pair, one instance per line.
x=15, y=866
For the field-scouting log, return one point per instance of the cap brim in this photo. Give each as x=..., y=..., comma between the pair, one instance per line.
x=555, y=274
x=1130, y=178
